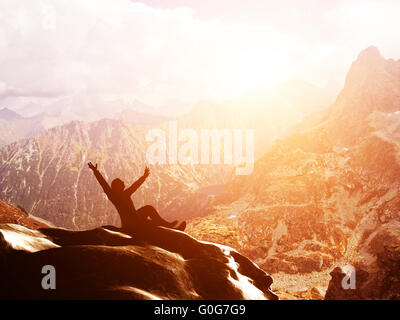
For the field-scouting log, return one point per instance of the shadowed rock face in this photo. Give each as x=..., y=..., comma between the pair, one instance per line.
x=376, y=269
x=105, y=263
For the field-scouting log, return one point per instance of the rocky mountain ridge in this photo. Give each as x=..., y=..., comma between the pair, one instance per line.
x=326, y=196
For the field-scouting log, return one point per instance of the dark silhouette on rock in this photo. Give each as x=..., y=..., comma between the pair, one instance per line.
x=158, y=263
x=131, y=219
x=336, y=291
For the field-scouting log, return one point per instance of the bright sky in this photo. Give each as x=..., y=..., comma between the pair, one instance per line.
x=156, y=50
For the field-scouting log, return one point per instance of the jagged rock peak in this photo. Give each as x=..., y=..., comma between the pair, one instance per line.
x=371, y=53
x=372, y=83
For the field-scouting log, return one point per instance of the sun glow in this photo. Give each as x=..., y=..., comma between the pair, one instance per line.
x=254, y=65
x=251, y=70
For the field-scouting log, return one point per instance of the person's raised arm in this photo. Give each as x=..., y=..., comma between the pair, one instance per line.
x=138, y=182
x=100, y=178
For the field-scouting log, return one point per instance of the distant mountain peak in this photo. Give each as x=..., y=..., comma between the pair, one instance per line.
x=8, y=114
x=371, y=53
x=374, y=76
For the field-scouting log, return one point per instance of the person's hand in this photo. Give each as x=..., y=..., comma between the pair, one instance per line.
x=146, y=172
x=91, y=166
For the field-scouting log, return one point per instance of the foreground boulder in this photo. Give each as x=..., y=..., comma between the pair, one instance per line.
x=106, y=263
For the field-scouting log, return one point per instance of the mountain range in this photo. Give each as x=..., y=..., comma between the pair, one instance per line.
x=25, y=121
x=47, y=174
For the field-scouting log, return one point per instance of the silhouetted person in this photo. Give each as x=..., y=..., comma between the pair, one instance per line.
x=121, y=199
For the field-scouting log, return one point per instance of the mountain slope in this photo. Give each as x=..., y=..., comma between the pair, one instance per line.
x=11, y=214
x=314, y=200
x=47, y=173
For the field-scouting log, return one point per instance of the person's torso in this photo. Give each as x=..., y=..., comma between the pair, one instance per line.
x=125, y=207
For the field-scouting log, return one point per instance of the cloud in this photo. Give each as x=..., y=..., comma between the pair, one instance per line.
x=3, y=87
x=131, y=50
x=121, y=48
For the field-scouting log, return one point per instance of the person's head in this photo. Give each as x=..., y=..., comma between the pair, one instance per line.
x=117, y=185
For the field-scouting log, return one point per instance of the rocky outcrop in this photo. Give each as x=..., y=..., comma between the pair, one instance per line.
x=376, y=269
x=105, y=263
x=12, y=214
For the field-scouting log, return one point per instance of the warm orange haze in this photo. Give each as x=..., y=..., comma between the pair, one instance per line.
x=199, y=150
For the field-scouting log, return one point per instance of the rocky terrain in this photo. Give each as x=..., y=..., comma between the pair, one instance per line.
x=108, y=264
x=381, y=257
x=326, y=196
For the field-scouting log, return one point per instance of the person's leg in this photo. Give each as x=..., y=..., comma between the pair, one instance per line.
x=151, y=213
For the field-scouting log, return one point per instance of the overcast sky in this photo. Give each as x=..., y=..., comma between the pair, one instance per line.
x=156, y=50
